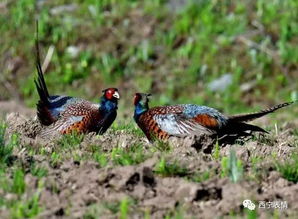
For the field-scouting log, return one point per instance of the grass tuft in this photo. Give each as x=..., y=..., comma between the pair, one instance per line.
x=27, y=208
x=70, y=141
x=232, y=167
x=124, y=207
x=129, y=156
x=167, y=169
x=216, y=152
x=38, y=171
x=6, y=148
x=18, y=182
x=289, y=169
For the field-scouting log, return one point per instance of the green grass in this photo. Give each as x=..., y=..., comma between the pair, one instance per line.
x=38, y=171
x=289, y=168
x=18, y=182
x=128, y=156
x=164, y=42
x=6, y=147
x=65, y=148
x=122, y=208
x=232, y=167
x=113, y=207
x=100, y=158
x=26, y=209
x=216, y=151
x=130, y=128
x=70, y=141
x=251, y=214
x=162, y=146
x=56, y=159
x=146, y=46
x=21, y=205
x=166, y=169
x=201, y=176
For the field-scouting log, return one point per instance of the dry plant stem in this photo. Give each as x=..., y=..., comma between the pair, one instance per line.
x=48, y=58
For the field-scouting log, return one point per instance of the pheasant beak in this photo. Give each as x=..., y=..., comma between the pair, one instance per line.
x=116, y=95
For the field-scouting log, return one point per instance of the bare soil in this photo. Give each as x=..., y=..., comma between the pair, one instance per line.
x=73, y=189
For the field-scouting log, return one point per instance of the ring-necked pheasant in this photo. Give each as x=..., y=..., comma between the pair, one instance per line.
x=190, y=119
x=64, y=114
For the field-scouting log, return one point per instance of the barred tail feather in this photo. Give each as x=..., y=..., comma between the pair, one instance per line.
x=252, y=116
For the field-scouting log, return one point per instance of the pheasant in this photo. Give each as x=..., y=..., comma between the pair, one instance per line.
x=190, y=119
x=65, y=114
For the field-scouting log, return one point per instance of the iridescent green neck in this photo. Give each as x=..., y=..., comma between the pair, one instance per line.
x=140, y=109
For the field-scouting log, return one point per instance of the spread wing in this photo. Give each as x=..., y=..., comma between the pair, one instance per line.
x=65, y=125
x=180, y=125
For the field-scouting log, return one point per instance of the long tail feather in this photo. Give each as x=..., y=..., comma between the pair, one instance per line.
x=252, y=116
x=40, y=82
x=43, y=105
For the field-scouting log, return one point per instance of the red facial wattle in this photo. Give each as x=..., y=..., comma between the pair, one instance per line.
x=109, y=94
x=137, y=98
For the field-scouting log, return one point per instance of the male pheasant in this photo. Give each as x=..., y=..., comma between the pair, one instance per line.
x=190, y=119
x=64, y=114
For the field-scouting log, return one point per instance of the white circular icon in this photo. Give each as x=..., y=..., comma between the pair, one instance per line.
x=249, y=204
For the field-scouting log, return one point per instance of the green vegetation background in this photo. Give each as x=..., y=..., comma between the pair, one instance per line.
x=172, y=49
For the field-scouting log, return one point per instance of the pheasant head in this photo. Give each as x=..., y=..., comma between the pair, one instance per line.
x=141, y=102
x=109, y=99
x=111, y=94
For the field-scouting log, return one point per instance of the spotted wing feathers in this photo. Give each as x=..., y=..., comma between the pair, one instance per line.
x=178, y=125
x=190, y=119
x=65, y=126
x=177, y=120
x=77, y=117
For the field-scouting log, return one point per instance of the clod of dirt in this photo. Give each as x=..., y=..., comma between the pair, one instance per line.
x=20, y=124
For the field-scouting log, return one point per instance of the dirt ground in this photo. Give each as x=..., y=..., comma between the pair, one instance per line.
x=73, y=189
